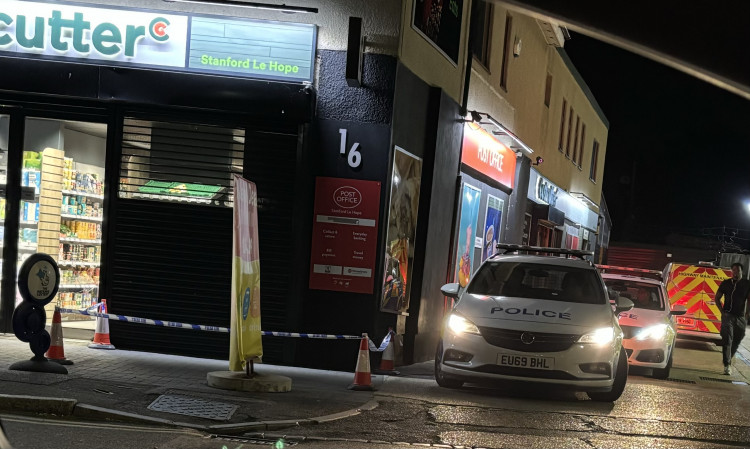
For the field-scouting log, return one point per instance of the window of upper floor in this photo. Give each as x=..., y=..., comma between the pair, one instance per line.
x=570, y=132
x=583, y=145
x=481, y=32
x=576, y=139
x=548, y=90
x=507, y=49
x=563, y=117
x=594, y=161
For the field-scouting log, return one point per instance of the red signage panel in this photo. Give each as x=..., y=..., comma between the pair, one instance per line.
x=484, y=153
x=345, y=234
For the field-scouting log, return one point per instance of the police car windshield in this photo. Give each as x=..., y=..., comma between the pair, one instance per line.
x=538, y=281
x=643, y=294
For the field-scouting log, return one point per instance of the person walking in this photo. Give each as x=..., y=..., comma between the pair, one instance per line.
x=735, y=293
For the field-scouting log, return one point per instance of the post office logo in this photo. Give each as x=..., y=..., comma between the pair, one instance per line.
x=347, y=197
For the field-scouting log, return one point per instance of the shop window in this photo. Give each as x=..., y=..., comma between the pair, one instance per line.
x=481, y=30
x=570, y=132
x=562, y=125
x=548, y=90
x=180, y=162
x=594, y=161
x=583, y=144
x=61, y=211
x=507, y=43
x=576, y=139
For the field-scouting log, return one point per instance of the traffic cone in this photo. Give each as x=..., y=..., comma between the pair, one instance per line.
x=362, y=380
x=56, y=352
x=386, y=361
x=101, y=336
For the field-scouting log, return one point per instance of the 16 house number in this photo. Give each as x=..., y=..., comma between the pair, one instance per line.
x=354, y=157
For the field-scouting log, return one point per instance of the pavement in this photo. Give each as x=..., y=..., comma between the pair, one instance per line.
x=169, y=390
x=129, y=386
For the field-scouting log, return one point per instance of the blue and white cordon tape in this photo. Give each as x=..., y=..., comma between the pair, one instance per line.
x=201, y=327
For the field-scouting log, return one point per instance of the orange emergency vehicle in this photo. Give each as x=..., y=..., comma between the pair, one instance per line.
x=695, y=286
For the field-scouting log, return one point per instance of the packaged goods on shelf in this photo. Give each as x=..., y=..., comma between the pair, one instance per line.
x=29, y=211
x=76, y=300
x=76, y=252
x=80, y=276
x=32, y=160
x=29, y=235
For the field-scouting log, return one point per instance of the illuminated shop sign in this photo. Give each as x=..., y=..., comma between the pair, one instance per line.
x=484, y=153
x=191, y=43
x=78, y=32
x=543, y=191
x=546, y=192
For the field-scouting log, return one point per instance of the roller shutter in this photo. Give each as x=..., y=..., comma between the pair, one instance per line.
x=172, y=234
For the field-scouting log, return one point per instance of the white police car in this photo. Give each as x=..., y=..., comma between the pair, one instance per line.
x=649, y=331
x=534, y=318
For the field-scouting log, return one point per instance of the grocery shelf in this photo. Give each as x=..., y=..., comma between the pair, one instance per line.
x=81, y=217
x=27, y=246
x=86, y=194
x=78, y=286
x=77, y=240
x=28, y=223
x=73, y=263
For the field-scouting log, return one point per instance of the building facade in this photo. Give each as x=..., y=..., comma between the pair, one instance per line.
x=122, y=125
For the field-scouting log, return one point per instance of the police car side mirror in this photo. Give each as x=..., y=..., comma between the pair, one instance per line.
x=678, y=310
x=623, y=305
x=450, y=290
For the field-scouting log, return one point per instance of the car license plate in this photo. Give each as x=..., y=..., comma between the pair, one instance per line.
x=686, y=322
x=525, y=361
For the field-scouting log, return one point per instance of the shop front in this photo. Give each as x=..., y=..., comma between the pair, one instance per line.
x=120, y=131
x=557, y=218
x=487, y=179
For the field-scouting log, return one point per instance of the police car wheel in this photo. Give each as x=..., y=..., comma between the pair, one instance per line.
x=621, y=378
x=440, y=377
x=663, y=373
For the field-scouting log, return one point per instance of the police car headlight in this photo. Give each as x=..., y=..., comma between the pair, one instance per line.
x=655, y=332
x=600, y=336
x=460, y=325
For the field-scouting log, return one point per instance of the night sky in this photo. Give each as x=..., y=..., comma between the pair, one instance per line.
x=678, y=152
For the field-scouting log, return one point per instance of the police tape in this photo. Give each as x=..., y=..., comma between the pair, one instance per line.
x=201, y=327
x=383, y=344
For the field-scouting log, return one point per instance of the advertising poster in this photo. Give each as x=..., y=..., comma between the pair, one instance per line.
x=245, y=341
x=492, y=222
x=467, y=232
x=440, y=22
x=402, y=230
x=345, y=234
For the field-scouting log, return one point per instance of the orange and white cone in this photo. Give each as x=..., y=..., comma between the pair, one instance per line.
x=101, y=336
x=386, y=361
x=56, y=352
x=362, y=379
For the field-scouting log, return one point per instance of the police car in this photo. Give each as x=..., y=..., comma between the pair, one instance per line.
x=649, y=329
x=534, y=318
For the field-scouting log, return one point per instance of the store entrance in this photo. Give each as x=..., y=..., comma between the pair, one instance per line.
x=62, y=208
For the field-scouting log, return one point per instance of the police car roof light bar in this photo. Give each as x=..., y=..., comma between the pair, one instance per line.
x=634, y=270
x=540, y=249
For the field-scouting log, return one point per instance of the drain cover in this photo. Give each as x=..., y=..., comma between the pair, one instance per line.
x=185, y=405
x=276, y=442
x=712, y=379
x=670, y=379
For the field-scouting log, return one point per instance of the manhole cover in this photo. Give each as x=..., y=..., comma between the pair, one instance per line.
x=683, y=381
x=185, y=405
